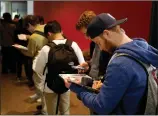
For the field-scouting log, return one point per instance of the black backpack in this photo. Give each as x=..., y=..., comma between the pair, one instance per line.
x=60, y=60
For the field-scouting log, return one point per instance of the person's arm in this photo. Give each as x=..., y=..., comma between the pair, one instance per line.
x=31, y=48
x=78, y=52
x=94, y=71
x=114, y=86
x=27, y=36
x=39, y=64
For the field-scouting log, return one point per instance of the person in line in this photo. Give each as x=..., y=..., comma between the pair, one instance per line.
x=54, y=33
x=7, y=30
x=97, y=65
x=20, y=58
x=35, y=44
x=125, y=80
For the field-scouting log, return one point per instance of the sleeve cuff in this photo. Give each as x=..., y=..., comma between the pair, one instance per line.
x=76, y=88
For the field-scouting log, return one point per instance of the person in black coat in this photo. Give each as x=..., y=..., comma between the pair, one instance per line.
x=21, y=59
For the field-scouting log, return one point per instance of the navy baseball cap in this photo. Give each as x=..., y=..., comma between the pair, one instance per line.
x=101, y=22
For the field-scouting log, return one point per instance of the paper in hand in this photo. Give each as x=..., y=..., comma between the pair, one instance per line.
x=73, y=77
x=22, y=37
x=78, y=67
x=20, y=47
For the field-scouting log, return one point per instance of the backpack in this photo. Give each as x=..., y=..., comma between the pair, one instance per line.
x=60, y=60
x=149, y=102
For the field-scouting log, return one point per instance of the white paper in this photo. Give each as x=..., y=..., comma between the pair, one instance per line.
x=22, y=37
x=74, y=76
x=20, y=47
x=78, y=67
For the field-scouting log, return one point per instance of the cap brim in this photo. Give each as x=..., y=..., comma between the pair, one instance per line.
x=118, y=22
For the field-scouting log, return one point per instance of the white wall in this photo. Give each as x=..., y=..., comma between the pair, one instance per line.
x=5, y=7
x=30, y=7
x=12, y=6
x=20, y=6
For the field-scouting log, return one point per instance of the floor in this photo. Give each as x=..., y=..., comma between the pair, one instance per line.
x=14, y=98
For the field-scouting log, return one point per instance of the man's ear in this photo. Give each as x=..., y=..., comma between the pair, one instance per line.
x=49, y=34
x=106, y=34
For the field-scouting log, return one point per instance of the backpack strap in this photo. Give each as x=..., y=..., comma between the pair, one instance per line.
x=138, y=61
x=68, y=42
x=39, y=33
x=57, y=106
x=51, y=45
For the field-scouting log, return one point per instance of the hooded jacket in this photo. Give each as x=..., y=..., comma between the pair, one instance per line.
x=125, y=81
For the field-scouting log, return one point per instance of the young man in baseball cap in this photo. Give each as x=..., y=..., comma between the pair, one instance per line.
x=125, y=80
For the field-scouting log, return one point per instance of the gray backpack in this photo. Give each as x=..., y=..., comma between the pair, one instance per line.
x=151, y=96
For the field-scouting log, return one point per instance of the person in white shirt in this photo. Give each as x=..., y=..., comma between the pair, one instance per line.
x=54, y=34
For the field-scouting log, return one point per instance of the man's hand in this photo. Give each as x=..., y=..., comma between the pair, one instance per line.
x=68, y=81
x=85, y=66
x=97, y=85
x=23, y=37
x=20, y=47
x=17, y=46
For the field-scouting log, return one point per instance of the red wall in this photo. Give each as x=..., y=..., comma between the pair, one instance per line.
x=67, y=13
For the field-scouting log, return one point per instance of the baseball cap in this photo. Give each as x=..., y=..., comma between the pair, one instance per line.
x=101, y=22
